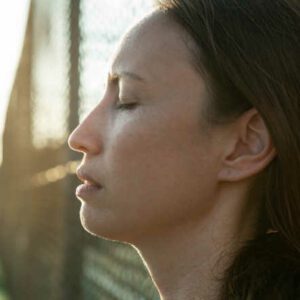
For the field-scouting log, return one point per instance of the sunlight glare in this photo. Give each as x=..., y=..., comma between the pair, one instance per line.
x=13, y=15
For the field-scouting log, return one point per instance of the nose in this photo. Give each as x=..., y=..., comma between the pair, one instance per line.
x=86, y=137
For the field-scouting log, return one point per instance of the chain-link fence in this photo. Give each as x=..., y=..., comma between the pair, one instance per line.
x=46, y=254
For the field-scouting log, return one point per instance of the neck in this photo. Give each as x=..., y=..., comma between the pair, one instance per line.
x=188, y=261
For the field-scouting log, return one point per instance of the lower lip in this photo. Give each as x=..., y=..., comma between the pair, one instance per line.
x=85, y=190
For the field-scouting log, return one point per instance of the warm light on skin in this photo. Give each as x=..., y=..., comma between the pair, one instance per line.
x=171, y=186
x=13, y=16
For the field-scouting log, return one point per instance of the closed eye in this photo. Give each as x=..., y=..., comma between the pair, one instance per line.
x=126, y=106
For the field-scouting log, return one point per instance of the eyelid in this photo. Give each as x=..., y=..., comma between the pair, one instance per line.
x=126, y=102
x=127, y=98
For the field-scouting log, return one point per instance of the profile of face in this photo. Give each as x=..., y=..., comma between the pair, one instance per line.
x=145, y=142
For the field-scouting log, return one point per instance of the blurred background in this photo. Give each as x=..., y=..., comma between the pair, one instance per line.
x=53, y=61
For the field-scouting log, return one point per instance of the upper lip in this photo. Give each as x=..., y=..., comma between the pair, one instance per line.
x=86, y=178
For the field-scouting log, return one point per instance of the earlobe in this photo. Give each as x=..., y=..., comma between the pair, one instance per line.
x=249, y=150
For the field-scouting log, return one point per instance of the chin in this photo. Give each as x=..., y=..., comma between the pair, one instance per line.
x=98, y=225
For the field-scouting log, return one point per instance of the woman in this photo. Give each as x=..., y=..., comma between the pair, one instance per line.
x=193, y=153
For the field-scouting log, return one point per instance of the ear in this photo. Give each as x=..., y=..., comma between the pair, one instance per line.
x=248, y=150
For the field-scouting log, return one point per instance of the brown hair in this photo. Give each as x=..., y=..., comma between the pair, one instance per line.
x=248, y=51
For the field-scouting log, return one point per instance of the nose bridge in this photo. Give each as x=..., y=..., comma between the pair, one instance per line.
x=87, y=137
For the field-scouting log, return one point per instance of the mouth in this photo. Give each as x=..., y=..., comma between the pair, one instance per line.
x=87, y=179
x=89, y=187
x=85, y=191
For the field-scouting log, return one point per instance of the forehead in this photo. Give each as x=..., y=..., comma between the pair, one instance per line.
x=154, y=46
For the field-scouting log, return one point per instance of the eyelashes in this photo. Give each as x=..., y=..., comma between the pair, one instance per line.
x=126, y=106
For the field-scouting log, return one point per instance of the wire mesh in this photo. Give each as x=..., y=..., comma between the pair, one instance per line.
x=102, y=24
x=50, y=72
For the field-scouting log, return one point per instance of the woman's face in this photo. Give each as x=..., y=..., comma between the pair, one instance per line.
x=155, y=162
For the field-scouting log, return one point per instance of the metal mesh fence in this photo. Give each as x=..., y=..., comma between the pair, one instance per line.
x=50, y=67
x=45, y=252
x=102, y=24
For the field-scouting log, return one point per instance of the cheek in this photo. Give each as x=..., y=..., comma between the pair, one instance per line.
x=158, y=173
x=156, y=144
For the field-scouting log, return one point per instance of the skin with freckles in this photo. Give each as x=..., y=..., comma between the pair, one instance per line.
x=172, y=186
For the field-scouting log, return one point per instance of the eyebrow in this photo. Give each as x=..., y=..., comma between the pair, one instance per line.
x=125, y=74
